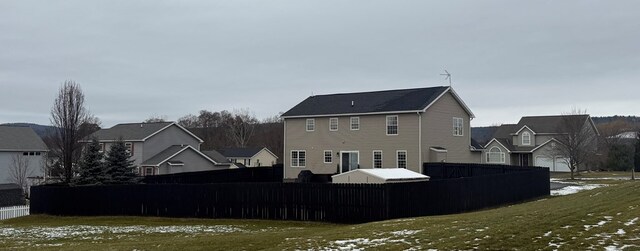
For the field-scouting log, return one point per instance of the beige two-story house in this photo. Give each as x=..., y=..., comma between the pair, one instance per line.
x=533, y=140
x=329, y=134
x=158, y=148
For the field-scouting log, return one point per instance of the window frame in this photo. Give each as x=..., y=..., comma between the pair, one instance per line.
x=351, y=124
x=406, y=156
x=528, y=138
x=374, y=158
x=331, y=120
x=298, y=158
x=129, y=148
x=458, y=131
x=324, y=156
x=397, y=125
x=310, y=125
x=501, y=155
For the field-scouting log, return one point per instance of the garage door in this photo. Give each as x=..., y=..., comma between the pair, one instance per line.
x=544, y=162
x=562, y=165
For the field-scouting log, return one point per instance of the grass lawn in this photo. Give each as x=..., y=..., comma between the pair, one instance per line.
x=594, y=219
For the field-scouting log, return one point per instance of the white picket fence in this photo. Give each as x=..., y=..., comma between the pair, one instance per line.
x=13, y=212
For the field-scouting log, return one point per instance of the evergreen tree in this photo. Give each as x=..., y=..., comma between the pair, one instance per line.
x=118, y=167
x=636, y=159
x=90, y=168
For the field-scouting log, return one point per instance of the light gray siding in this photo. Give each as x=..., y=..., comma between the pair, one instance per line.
x=166, y=138
x=437, y=131
x=371, y=136
x=36, y=165
x=193, y=162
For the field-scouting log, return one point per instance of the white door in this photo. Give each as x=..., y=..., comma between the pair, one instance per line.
x=562, y=165
x=545, y=162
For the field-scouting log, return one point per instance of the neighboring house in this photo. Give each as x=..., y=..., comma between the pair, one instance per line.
x=250, y=157
x=21, y=145
x=336, y=133
x=531, y=142
x=158, y=148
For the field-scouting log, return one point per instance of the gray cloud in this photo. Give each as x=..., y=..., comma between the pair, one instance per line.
x=135, y=59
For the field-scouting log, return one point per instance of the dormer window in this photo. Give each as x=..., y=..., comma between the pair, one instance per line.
x=526, y=138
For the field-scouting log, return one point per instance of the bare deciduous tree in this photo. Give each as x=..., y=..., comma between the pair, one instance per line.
x=241, y=127
x=577, y=138
x=68, y=114
x=20, y=170
x=154, y=118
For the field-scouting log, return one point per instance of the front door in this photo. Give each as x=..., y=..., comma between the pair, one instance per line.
x=524, y=159
x=349, y=161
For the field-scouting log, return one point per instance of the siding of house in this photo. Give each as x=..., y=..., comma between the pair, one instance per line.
x=193, y=162
x=166, y=138
x=264, y=158
x=371, y=136
x=437, y=131
x=36, y=163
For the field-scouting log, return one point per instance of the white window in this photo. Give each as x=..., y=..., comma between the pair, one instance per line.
x=458, y=127
x=129, y=147
x=333, y=124
x=355, y=123
x=298, y=158
x=311, y=125
x=328, y=156
x=392, y=125
x=101, y=147
x=401, y=158
x=526, y=138
x=377, y=159
x=495, y=155
x=148, y=171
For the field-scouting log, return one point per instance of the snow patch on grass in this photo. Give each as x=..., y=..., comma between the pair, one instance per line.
x=86, y=232
x=631, y=222
x=574, y=189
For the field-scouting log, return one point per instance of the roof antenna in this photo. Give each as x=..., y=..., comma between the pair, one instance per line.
x=448, y=76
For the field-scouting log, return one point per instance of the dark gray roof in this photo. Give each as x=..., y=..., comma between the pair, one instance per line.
x=367, y=102
x=546, y=124
x=131, y=131
x=160, y=157
x=20, y=139
x=476, y=145
x=216, y=156
x=240, y=152
x=504, y=131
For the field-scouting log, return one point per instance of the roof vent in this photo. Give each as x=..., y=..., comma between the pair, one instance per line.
x=352, y=103
x=141, y=125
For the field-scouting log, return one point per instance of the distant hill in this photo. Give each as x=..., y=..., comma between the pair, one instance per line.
x=42, y=130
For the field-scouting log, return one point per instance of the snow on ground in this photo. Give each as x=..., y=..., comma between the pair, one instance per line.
x=574, y=189
x=366, y=243
x=631, y=222
x=91, y=232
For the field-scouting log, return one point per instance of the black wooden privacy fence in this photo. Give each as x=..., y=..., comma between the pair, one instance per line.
x=344, y=203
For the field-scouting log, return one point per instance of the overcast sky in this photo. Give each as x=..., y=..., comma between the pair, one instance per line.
x=135, y=59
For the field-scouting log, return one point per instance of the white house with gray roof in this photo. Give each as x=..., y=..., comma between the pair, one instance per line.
x=21, y=143
x=532, y=140
x=159, y=148
x=337, y=133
